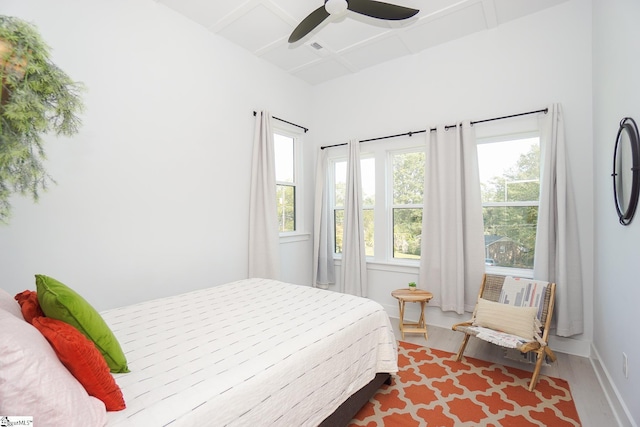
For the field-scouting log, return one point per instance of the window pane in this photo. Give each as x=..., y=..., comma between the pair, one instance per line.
x=408, y=184
x=368, y=231
x=407, y=230
x=510, y=170
x=510, y=184
x=286, y=196
x=368, y=177
x=284, y=158
x=510, y=235
x=338, y=218
x=408, y=178
x=340, y=176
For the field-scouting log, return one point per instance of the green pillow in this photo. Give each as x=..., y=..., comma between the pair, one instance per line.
x=58, y=301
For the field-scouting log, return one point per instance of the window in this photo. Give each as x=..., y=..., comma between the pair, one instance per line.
x=406, y=210
x=339, y=196
x=286, y=181
x=393, y=196
x=368, y=177
x=510, y=186
x=392, y=217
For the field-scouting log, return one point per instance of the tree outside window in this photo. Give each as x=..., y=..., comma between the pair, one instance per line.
x=408, y=185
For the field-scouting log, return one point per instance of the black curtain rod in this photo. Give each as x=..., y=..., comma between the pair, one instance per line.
x=285, y=121
x=411, y=133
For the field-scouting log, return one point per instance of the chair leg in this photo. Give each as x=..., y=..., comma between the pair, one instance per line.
x=550, y=354
x=536, y=371
x=465, y=340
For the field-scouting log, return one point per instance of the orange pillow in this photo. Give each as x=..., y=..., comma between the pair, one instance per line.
x=29, y=305
x=83, y=360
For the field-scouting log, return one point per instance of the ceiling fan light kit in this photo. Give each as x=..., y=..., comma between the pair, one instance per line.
x=336, y=7
x=371, y=8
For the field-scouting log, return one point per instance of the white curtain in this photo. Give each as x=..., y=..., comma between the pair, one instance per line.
x=557, y=254
x=324, y=268
x=452, y=247
x=354, y=262
x=264, y=250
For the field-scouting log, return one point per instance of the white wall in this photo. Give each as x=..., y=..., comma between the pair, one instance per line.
x=616, y=67
x=152, y=195
x=521, y=66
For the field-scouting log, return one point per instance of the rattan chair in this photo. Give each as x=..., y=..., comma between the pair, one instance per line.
x=490, y=290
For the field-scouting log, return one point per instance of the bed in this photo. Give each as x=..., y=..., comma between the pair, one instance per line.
x=249, y=353
x=252, y=352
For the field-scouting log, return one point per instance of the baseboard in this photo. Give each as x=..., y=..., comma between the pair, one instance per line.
x=618, y=407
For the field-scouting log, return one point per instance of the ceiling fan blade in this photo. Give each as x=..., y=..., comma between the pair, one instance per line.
x=380, y=10
x=307, y=25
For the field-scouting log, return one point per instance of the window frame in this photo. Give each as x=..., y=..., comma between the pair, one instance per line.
x=391, y=205
x=510, y=130
x=332, y=198
x=382, y=151
x=333, y=207
x=383, y=220
x=296, y=135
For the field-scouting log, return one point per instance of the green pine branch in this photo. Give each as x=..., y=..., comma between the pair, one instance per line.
x=38, y=98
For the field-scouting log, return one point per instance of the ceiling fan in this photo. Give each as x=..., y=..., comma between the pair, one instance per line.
x=372, y=8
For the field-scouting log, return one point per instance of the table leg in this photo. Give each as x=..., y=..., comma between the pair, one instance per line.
x=422, y=322
x=401, y=309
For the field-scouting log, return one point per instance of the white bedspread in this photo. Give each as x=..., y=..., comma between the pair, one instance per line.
x=250, y=353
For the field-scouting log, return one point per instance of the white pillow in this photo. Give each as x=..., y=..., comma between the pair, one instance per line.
x=33, y=381
x=520, y=321
x=9, y=304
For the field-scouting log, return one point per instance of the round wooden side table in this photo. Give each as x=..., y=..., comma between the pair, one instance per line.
x=406, y=295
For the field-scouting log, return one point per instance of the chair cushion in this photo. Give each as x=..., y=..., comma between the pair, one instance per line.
x=520, y=321
x=523, y=292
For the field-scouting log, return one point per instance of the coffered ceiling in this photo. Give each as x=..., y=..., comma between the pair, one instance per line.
x=352, y=42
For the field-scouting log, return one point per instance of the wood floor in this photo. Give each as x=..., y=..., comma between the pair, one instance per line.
x=590, y=400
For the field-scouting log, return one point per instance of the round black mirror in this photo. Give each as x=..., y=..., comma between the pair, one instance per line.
x=626, y=170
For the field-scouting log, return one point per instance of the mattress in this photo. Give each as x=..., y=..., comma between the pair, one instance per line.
x=248, y=353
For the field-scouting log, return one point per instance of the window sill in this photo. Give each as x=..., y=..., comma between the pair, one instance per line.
x=525, y=273
x=294, y=237
x=398, y=267
x=413, y=267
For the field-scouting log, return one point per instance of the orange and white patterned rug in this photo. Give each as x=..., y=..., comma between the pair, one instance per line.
x=432, y=389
